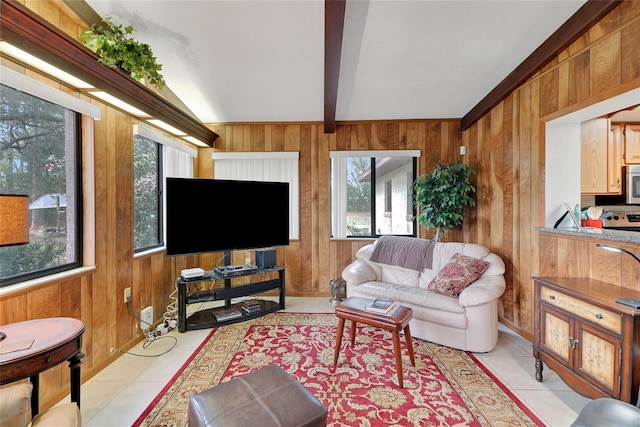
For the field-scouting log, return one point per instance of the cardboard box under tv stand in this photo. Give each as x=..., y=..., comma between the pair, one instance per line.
x=205, y=318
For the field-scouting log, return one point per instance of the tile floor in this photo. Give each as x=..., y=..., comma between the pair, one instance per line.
x=117, y=395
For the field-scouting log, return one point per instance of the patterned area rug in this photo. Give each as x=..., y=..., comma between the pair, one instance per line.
x=446, y=387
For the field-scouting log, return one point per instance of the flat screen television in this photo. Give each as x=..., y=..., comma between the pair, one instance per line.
x=213, y=215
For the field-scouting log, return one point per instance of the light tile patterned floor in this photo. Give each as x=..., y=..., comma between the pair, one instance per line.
x=117, y=395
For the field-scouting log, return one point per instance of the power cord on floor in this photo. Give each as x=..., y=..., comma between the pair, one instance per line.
x=146, y=344
x=151, y=336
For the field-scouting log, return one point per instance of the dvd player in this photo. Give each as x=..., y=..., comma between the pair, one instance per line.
x=235, y=270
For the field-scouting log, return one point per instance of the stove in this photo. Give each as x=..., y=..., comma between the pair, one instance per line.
x=621, y=220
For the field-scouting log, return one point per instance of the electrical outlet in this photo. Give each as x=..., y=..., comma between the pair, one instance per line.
x=146, y=318
x=127, y=295
x=247, y=261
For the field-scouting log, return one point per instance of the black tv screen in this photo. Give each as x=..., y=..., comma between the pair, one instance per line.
x=213, y=215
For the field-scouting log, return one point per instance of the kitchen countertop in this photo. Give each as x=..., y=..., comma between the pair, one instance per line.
x=595, y=233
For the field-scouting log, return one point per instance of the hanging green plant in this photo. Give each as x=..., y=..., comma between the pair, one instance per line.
x=117, y=49
x=442, y=195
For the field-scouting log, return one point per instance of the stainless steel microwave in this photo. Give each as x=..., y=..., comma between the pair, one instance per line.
x=631, y=187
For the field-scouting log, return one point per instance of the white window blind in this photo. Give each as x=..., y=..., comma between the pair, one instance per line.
x=178, y=157
x=272, y=167
x=177, y=163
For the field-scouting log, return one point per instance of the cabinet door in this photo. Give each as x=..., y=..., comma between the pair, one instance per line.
x=632, y=143
x=615, y=154
x=598, y=357
x=593, y=155
x=555, y=334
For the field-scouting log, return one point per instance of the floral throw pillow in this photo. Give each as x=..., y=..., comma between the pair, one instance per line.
x=460, y=272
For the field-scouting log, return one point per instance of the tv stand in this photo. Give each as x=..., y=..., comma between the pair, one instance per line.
x=189, y=292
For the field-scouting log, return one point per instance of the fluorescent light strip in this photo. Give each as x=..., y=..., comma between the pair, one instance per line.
x=152, y=134
x=40, y=65
x=195, y=141
x=40, y=90
x=167, y=127
x=104, y=96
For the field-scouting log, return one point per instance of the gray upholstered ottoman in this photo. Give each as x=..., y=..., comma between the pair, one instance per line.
x=266, y=397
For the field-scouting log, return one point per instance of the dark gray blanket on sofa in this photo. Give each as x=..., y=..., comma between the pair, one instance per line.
x=408, y=252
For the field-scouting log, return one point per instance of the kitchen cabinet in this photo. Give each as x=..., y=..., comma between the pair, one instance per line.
x=601, y=151
x=631, y=133
x=615, y=157
x=588, y=339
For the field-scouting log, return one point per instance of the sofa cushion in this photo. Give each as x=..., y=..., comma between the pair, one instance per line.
x=409, y=294
x=15, y=405
x=457, y=274
x=400, y=275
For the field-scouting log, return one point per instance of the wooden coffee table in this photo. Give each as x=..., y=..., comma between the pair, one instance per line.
x=353, y=309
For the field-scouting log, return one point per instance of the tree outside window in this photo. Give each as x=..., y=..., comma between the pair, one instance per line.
x=372, y=195
x=39, y=152
x=147, y=195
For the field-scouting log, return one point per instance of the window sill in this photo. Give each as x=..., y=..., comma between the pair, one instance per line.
x=351, y=239
x=18, y=288
x=149, y=252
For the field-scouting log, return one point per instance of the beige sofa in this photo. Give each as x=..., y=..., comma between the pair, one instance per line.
x=468, y=322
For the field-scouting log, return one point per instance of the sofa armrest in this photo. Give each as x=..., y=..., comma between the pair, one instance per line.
x=482, y=291
x=359, y=272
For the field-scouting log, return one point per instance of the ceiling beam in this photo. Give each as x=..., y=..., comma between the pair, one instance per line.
x=581, y=21
x=333, y=29
x=26, y=30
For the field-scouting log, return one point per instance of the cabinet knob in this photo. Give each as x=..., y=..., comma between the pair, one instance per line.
x=599, y=316
x=573, y=342
x=552, y=297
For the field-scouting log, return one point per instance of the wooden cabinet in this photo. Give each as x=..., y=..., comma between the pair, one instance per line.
x=631, y=135
x=615, y=157
x=601, y=151
x=589, y=340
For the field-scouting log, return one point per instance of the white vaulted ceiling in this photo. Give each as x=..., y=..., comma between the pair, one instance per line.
x=263, y=60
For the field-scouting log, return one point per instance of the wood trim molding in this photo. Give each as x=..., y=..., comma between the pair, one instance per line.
x=26, y=30
x=333, y=29
x=581, y=21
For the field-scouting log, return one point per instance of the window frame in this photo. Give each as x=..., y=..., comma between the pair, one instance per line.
x=35, y=89
x=159, y=196
x=340, y=223
x=169, y=148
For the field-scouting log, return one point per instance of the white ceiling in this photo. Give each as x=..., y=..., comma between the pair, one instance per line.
x=263, y=60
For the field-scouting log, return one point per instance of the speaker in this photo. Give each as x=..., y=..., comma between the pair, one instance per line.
x=265, y=258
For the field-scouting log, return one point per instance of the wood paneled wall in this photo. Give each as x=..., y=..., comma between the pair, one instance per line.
x=315, y=259
x=509, y=145
x=506, y=148
x=95, y=294
x=578, y=256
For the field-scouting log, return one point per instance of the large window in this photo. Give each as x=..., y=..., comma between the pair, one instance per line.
x=147, y=193
x=371, y=193
x=155, y=156
x=39, y=157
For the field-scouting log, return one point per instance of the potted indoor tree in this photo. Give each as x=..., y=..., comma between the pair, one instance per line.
x=442, y=195
x=117, y=49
